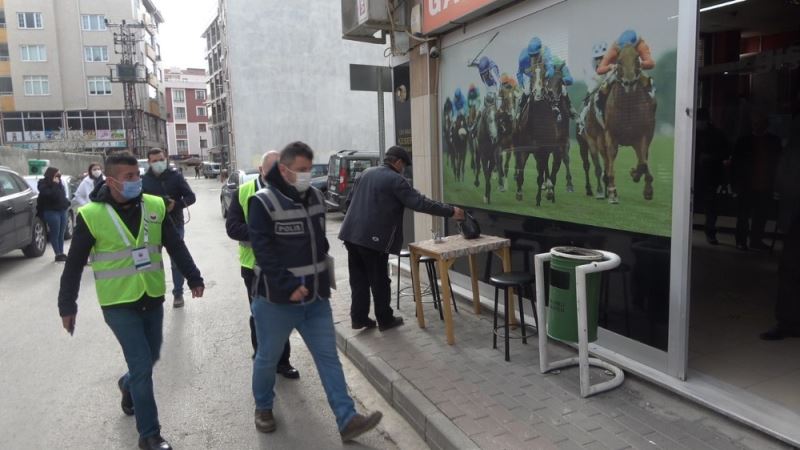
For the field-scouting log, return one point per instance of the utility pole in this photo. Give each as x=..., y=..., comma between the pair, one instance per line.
x=129, y=72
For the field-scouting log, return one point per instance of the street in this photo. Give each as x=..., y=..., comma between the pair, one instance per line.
x=58, y=391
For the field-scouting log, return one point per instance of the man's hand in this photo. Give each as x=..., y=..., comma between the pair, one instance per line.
x=299, y=294
x=458, y=213
x=197, y=292
x=68, y=322
x=171, y=205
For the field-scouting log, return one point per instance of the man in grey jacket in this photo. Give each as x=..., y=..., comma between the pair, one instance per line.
x=373, y=228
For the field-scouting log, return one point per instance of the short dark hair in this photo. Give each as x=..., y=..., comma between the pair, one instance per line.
x=391, y=159
x=119, y=159
x=153, y=151
x=294, y=150
x=50, y=173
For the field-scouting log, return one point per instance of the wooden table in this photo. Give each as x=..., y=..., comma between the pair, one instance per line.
x=446, y=253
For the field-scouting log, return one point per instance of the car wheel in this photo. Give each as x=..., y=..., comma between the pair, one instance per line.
x=39, y=241
x=70, y=226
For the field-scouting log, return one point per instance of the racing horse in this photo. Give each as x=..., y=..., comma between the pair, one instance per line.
x=447, y=135
x=590, y=134
x=537, y=133
x=472, y=139
x=630, y=116
x=506, y=122
x=488, y=149
x=458, y=137
x=555, y=93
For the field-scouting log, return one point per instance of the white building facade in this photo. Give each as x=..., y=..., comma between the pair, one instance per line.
x=188, y=132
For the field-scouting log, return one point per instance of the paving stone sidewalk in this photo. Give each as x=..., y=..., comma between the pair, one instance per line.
x=467, y=396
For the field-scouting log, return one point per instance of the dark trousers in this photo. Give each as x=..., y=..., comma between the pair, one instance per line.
x=140, y=335
x=751, y=218
x=369, y=270
x=711, y=206
x=248, y=275
x=787, y=308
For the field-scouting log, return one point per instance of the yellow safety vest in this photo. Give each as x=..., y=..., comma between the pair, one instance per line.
x=246, y=256
x=118, y=280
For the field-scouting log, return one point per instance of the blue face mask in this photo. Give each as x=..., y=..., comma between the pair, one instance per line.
x=131, y=189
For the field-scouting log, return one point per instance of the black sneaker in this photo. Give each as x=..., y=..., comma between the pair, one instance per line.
x=154, y=443
x=395, y=322
x=127, y=399
x=288, y=371
x=368, y=324
x=177, y=301
x=61, y=257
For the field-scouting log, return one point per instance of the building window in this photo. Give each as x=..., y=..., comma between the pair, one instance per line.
x=202, y=128
x=183, y=145
x=180, y=113
x=178, y=95
x=3, y=52
x=6, y=88
x=200, y=94
x=36, y=85
x=99, y=86
x=33, y=53
x=95, y=53
x=203, y=143
x=93, y=22
x=30, y=20
x=180, y=131
x=201, y=111
x=2, y=18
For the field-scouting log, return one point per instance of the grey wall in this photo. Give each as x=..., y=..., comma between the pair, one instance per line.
x=68, y=163
x=289, y=72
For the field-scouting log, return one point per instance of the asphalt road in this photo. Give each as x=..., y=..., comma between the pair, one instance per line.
x=58, y=391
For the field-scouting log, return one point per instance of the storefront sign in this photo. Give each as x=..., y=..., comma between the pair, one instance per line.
x=439, y=13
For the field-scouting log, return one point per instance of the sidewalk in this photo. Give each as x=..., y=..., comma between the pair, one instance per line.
x=467, y=396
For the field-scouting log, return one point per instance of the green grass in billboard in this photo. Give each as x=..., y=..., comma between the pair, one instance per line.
x=633, y=213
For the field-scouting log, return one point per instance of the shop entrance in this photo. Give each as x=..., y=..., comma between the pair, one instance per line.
x=746, y=234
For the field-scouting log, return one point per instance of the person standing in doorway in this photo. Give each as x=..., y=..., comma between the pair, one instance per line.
x=123, y=230
x=236, y=226
x=287, y=230
x=53, y=204
x=373, y=228
x=161, y=181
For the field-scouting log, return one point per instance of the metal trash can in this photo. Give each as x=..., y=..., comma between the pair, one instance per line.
x=562, y=314
x=37, y=166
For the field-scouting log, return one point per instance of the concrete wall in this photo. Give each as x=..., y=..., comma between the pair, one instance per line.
x=289, y=78
x=68, y=163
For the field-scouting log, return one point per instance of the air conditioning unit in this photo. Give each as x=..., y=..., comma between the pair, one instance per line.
x=362, y=20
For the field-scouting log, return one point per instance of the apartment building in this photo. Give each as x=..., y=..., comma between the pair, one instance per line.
x=218, y=88
x=56, y=91
x=187, y=116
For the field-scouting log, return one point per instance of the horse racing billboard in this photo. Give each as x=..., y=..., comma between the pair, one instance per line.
x=566, y=114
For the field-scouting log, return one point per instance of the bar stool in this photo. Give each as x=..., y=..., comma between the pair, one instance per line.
x=506, y=281
x=426, y=289
x=430, y=267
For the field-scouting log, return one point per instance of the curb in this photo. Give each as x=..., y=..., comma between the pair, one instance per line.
x=430, y=423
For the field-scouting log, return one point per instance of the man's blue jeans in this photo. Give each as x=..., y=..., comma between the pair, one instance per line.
x=140, y=335
x=56, y=227
x=177, y=276
x=314, y=322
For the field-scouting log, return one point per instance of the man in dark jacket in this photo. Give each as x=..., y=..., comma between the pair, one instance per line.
x=287, y=232
x=164, y=182
x=236, y=227
x=130, y=282
x=373, y=228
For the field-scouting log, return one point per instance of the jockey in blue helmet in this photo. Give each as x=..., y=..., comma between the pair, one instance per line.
x=524, y=67
x=535, y=53
x=458, y=101
x=490, y=73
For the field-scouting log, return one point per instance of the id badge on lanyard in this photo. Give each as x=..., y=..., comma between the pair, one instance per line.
x=140, y=255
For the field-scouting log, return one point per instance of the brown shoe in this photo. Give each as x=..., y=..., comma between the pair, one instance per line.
x=359, y=425
x=265, y=421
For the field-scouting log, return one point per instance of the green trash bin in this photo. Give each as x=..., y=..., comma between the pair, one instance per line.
x=562, y=313
x=37, y=166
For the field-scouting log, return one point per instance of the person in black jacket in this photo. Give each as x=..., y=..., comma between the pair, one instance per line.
x=53, y=205
x=164, y=182
x=373, y=228
x=236, y=227
x=137, y=325
x=287, y=232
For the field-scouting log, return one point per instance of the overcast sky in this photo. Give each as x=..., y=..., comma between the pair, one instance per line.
x=184, y=22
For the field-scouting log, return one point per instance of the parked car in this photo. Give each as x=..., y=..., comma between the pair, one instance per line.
x=210, y=169
x=20, y=227
x=342, y=170
x=319, y=176
x=143, y=166
x=233, y=182
x=70, y=185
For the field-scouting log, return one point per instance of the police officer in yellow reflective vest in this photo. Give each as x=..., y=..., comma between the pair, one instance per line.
x=123, y=232
x=236, y=226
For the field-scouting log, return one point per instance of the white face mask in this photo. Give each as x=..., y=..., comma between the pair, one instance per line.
x=159, y=167
x=96, y=173
x=302, y=181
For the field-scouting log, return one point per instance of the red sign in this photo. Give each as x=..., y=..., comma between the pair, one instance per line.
x=439, y=13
